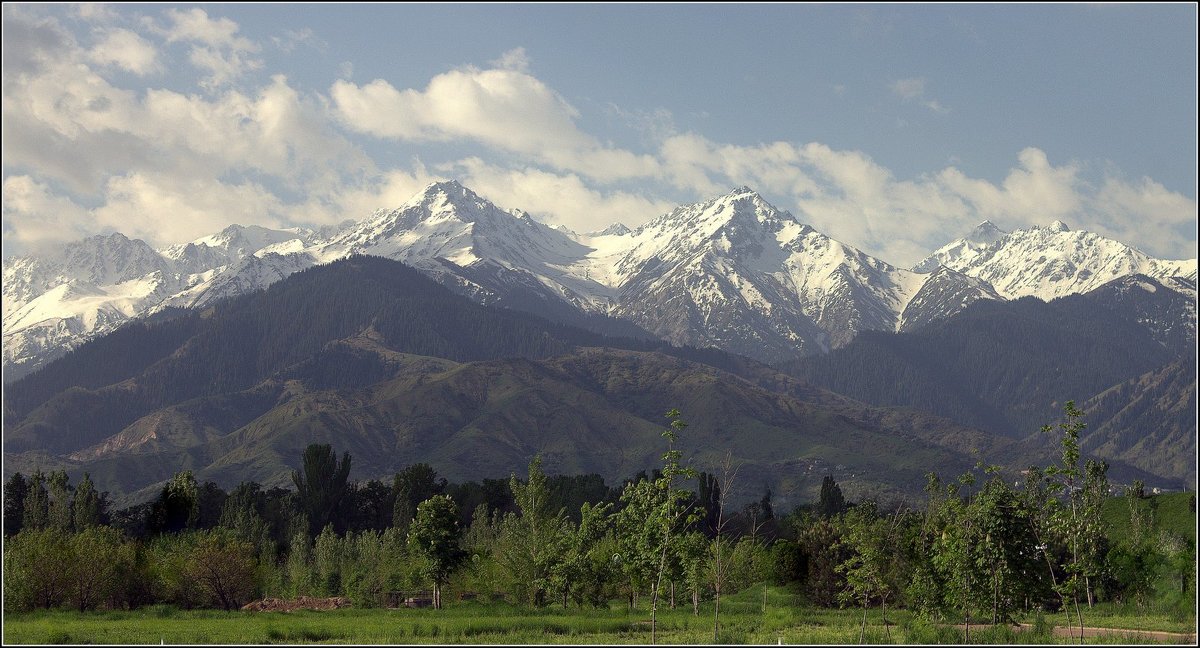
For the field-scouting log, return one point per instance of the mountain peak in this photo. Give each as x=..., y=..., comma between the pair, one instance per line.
x=1058, y=226
x=616, y=229
x=986, y=232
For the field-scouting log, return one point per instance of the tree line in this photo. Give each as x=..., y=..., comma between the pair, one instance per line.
x=982, y=549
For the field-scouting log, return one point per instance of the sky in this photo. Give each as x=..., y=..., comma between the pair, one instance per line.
x=895, y=128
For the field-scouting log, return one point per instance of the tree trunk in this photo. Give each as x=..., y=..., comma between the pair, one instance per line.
x=995, y=595
x=1087, y=580
x=862, y=630
x=887, y=627
x=672, y=595
x=695, y=601
x=1080, y=616
x=717, y=605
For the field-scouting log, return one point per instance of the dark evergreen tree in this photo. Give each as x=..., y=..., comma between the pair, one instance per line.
x=15, y=491
x=177, y=507
x=831, y=502
x=410, y=487
x=710, y=501
x=86, y=508
x=36, y=513
x=321, y=485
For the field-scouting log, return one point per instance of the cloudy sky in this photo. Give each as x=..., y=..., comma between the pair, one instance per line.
x=894, y=128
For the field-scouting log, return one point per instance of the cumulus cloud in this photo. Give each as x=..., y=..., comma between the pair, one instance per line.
x=514, y=59
x=162, y=208
x=506, y=109
x=84, y=154
x=559, y=199
x=214, y=46
x=127, y=50
x=35, y=217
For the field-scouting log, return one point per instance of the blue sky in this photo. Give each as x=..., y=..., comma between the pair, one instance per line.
x=894, y=128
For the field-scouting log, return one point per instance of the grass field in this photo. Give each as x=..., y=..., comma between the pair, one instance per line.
x=743, y=620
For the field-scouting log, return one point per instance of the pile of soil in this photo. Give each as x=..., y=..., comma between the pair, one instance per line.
x=302, y=603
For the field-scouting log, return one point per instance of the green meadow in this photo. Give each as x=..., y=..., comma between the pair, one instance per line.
x=746, y=618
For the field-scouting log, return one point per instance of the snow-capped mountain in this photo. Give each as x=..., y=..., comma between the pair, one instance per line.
x=54, y=302
x=737, y=273
x=732, y=272
x=1052, y=261
x=1166, y=309
x=964, y=249
x=944, y=293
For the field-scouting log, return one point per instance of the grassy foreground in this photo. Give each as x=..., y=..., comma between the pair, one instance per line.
x=743, y=620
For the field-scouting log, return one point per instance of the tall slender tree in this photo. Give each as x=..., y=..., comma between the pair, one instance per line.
x=85, y=508
x=15, y=491
x=321, y=484
x=37, y=503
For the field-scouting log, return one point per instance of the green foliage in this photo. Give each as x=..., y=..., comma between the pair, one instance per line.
x=35, y=511
x=870, y=541
x=533, y=544
x=821, y=553
x=34, y=573
x=223, y=568
x=301, y=579
x=410, y=487
x=435, y=536
x=321, y=484
x=85, y=509
x=15, y=491
x=100, y=562
x=167, y=570
x=831, y=501
x=178, y=506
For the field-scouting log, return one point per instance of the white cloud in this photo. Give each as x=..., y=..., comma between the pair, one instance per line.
x=914, y=90
x=126, y=50
x=1161, y=221
x=560, y=199
x=97, y=12
x=508, y=110
x=162, y=208
x=514, y=59
x=34, y=217
x=293, y=38
x=214, y=46
x=84, y=154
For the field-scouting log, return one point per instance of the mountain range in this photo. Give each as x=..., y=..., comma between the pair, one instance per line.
x=733, y=272
x=452, y=331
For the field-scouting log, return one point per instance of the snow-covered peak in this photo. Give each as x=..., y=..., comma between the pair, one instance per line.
x=241, y=240
x=1053, y=261
x=985, y=233
x=616, y=229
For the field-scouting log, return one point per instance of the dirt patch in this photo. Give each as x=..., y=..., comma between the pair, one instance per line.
x=302, y=603
x=1124, y=633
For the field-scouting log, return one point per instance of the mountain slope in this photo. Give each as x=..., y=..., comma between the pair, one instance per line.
x=238, y=343
x=1148, y=421
x=1005, y=367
